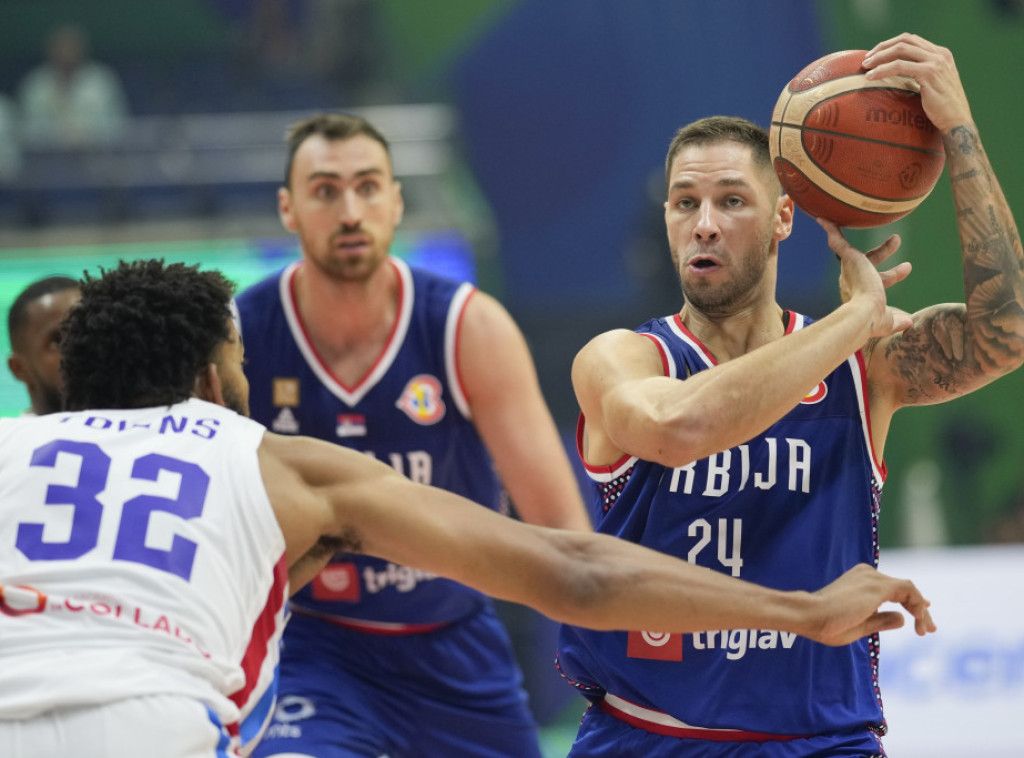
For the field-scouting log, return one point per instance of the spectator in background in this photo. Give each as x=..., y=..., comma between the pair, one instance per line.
x=71, y=100
x=343, y=48
x=33, y=324
x=10, y=147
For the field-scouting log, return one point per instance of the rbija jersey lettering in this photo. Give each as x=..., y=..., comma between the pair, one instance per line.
x=139, y=555
x=408, y=411
x=792, y=508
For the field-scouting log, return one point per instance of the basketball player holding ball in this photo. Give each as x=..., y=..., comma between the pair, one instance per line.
x=747, y=439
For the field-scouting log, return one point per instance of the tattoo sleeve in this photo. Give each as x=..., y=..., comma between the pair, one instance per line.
x=956, y=348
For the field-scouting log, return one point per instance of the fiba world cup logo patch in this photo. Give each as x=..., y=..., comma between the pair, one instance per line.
x=421, y=400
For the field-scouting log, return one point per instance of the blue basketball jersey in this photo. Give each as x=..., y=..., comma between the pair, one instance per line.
x=792, y=508
x=408, y=411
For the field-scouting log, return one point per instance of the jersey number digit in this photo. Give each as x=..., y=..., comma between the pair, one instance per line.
x=728, y=556
x=130, y=544
x=131, y=535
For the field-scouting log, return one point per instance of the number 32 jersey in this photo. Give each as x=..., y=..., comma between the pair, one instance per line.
x=792, y=508
x=139, y=555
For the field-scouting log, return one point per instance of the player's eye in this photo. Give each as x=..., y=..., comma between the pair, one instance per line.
x=368, y=189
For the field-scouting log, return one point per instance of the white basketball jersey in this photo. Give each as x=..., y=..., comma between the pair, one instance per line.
x=139, y=554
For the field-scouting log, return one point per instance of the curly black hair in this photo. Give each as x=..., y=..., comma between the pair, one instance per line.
x=141, y=333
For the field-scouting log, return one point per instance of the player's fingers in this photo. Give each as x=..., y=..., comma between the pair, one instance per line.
x=909, y=596
x=834, y=235
x=924, y=623
x=899, y=319
x=917, y=71
x=907, y=46
x=896, y=274
x=883, y=621
x=886, y=249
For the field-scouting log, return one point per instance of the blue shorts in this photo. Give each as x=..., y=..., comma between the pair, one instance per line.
x=453, y=692
x=604, y=736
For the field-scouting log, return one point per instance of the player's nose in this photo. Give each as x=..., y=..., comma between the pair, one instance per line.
x=707, y=223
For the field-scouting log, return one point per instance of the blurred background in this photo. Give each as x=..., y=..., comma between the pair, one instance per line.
x=530, y=138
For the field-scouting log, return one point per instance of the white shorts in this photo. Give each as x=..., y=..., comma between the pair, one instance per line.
x=155, y=726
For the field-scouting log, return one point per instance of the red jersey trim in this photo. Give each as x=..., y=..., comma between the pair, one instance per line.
x=657, y=722
x=677, y=326
x=666, y=365
x=791, y=321
x=605, y=473
x=268, y=627
x=379, y=628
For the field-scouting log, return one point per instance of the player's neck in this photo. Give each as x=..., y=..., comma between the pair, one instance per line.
x=340, y=314
x=730, y=335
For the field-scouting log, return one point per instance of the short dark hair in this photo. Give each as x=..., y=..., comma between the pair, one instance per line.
x=714, y=129
x=141, y=333
x=330, y=126
x=17, y=316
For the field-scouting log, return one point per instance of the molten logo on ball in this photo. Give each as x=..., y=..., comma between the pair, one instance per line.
x=905, y=117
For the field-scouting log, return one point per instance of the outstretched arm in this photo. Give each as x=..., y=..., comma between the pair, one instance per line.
x=582, y=578
x=509, y=413
x=954, y=348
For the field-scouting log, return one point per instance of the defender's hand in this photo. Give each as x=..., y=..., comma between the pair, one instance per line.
x=850, y=605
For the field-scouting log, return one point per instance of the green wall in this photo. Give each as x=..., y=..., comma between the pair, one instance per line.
x=976, y=443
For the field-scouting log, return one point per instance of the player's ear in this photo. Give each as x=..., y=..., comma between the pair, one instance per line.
x=208, y=385
x=16, y=363
x=399, y=203
x=783, y=217
x=284, y=208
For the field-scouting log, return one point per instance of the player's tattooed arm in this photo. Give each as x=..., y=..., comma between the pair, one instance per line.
x=954, y=349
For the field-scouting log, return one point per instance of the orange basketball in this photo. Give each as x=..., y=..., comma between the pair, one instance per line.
x=857, y=152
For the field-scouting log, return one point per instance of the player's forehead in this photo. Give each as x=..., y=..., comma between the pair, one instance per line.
x=722, y=158
x=56, y=302
x=718, y=164
x=344, y=158
x=47, y=311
